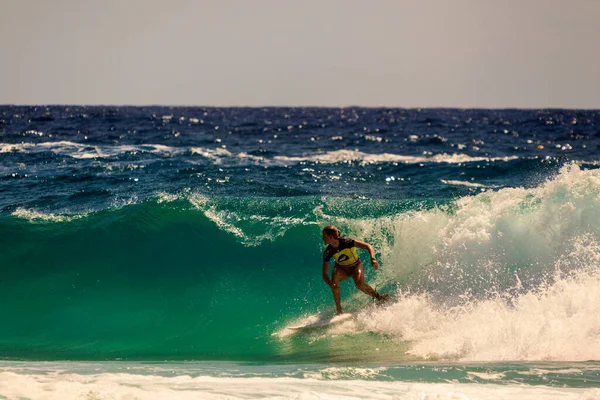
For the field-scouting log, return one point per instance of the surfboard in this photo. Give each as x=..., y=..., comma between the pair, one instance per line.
x=323, y=323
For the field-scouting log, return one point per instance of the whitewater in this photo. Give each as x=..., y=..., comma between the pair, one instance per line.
x=153, y=252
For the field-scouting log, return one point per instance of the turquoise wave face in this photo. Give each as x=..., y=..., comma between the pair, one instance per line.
x=148, y=281
x=174, y=278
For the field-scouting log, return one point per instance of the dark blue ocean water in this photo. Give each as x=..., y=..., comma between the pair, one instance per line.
x=189, y=233
x=81, y=158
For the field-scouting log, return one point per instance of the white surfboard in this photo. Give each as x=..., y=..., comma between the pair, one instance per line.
x=322, y=323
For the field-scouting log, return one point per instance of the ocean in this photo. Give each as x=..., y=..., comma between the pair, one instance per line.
x=166, y=253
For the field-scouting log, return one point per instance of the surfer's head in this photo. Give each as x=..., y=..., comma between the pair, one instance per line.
x=331, y=233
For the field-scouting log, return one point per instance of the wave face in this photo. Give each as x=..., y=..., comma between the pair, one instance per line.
x=509, y=274
x=151, y=280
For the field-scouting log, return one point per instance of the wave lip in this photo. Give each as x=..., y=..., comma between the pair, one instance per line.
x=37, y=216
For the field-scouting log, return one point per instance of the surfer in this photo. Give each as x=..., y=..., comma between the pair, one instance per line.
x=347, y=264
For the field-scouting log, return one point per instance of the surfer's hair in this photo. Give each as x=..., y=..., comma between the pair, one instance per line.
x=332, y=231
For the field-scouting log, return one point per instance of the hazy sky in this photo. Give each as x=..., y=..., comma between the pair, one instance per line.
x=417, y=53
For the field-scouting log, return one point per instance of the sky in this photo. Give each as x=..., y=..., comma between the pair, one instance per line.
x=379, y=53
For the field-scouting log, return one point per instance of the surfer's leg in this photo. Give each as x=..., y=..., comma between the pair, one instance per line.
x=359, y=281
x=337, y=276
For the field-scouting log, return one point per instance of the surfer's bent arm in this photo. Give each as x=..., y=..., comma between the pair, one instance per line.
x=326, y=273
x=366, y=246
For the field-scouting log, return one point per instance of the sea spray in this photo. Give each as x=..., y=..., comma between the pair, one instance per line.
x=516, y=276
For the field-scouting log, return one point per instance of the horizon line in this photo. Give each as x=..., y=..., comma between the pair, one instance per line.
x=304, y=106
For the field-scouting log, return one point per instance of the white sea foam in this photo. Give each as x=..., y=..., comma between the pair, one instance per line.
x=221, y=155
x=487, y=376
x=339, y=156
x=554, y=324
x=334, y=373
x=213, y=154
x=19, y=384
x=85, y=151
x=38, y=216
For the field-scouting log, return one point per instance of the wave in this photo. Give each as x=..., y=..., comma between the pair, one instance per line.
x=340, y=156
x=505, y=274
x=221, y=155
x=468, y=184
x=86, y=151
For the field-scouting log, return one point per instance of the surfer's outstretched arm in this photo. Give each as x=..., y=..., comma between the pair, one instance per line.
x=366, y=246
